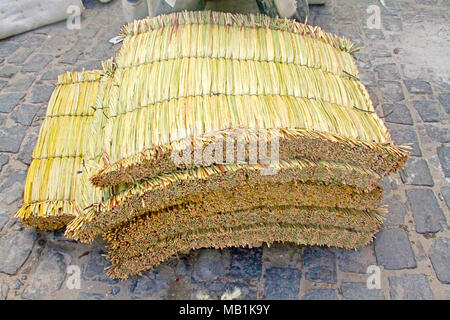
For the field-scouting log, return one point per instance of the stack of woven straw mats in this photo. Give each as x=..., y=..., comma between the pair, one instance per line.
x=212, y=130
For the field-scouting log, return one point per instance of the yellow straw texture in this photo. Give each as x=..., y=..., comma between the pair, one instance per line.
x=189, y=74
x=51, y=190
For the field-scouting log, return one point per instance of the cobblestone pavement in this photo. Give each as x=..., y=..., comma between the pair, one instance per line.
x=406, y=68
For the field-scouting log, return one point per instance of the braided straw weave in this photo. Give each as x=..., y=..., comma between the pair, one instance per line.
x=51, y=190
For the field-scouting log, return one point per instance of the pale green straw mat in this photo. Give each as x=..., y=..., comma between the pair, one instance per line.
x=180, y=77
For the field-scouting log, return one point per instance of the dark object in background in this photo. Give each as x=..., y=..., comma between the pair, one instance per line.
x=293, y=9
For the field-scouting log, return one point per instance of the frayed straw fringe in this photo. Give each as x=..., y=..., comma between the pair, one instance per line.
x=238, y=21
x=297, y=143
x=100, y=215
x=153, y=228
x=51, y=190
x=247, y=235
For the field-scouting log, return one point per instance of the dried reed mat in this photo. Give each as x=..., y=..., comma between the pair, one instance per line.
x=51, y=188
x=150, y=240
x=181, y=77
x=222, y=188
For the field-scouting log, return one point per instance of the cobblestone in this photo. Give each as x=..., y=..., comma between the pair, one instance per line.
x=410, y=287
x=355, y=260
x=445, y=101
x=440, y=258
x=407, y=137
x=282, y=283
x=393, y=250
x=320, y=265
x=246, y=263
x=14, y=250
x=211, y=265
x=444, y=156
x=47, y=278
x=392, y=90
x=397, y=113
x=9, y=100
x=320, y=294
x=396, y=214
x=427, y=214
x=417, y=173
x=428, y=110
x=359, y=291
x=418, y=86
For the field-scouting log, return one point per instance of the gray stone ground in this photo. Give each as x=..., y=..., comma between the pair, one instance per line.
x=406, y=68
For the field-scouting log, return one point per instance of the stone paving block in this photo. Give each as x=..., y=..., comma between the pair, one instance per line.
x=30, y=40
x=282, y=255
x=428, y=110
x=52, y=74
x=3, y=220
x=19, y=56
x=445, y=101
x=153, y=284
x=446, y=194
x=94, y=268
x=9, y=100
x=391, y=90
x=320, y=265
x=444, y=157
x=24, y=113
x=410, y=287
x=374, y=34
x=355, y=260
x=282, y=283
x=387, y=71
x=12, y=194
x=37, y=62
x=393, y=250
x=417, y=173
x=7, y=48
x=41, y=94
x=438, y=132
x=363, y=60
x=380, y=52
x=211, y=264
x=19, y=84
x=396, y=213
x=440, y=259
x=48, y=276
x=427, y=214
x=397, y=113
x=71, y=56
x=368, y=78
x=373, y=96
x=359, y=291
x=392, y=23
x=11, y=138
x=27, y=148
x=3, y=160
x=320, y=294
x=15, y=248
x=8, y=71
x=418, y=86
x=246, y=263
x=407, y=137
